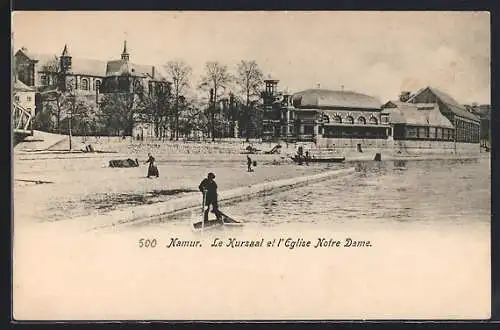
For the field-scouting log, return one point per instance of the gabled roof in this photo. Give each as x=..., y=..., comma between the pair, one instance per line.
x=19, y=86
x=88, y=67
x=83, y=66
x=119, y=67
x=448, y=101
x=419, y=114
x=97, y=68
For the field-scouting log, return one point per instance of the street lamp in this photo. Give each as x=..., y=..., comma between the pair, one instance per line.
x=70, y=113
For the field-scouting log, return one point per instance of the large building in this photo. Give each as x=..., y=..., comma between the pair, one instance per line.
x=84, y=77
x=23, y=104
x=417, y=121
x=321, y=116
x=467, y=124
x=426, y=119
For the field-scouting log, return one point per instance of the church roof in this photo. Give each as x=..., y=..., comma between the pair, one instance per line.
x=119, y=67
x=97, y=68
x=319, y=98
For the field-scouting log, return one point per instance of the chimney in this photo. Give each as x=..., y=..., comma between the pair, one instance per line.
x=153, y=72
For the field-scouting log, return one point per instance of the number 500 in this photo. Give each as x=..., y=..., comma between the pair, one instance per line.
x=147, y=243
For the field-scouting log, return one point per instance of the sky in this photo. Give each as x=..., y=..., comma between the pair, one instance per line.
x=375, y=53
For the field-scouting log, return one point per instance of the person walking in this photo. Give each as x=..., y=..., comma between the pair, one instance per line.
x=249, y=164
x=208, y=188
x=152, y=169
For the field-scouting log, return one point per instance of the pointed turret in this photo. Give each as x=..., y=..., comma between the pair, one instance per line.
x=125, y=54
x=65, y=60
x=65, y=51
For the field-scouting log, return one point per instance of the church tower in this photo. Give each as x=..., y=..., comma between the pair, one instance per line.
x=65, y=60
x=125, y=54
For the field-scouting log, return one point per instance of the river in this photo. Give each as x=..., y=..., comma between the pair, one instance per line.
x=385, y=194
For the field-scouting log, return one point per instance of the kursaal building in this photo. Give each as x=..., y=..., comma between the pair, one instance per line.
x=428, y=120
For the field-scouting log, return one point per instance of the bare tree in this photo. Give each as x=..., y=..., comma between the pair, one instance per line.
x=155, y=106
x=180, y=73
x=216, y=78
x=249, y=79
x=121, y=108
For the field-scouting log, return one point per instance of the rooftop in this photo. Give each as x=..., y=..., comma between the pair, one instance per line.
x=324, y=98
x=447, y=100
x=419, y=114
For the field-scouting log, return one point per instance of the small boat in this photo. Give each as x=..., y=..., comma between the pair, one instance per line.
x=124, y=163
x=331, y=159
x=214, y=223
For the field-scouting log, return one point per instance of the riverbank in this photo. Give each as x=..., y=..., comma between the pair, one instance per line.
x=234, y=150
x=54, y=189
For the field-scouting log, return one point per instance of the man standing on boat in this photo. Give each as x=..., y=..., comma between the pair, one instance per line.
x=208, y=187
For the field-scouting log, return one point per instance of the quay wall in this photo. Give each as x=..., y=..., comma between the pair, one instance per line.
x=233, y=149
x=191, y=202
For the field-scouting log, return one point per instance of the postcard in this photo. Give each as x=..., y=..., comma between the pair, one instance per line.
x=248, y=166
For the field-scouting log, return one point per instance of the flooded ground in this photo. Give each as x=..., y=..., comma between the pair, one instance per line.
x=380, y=194
x=427, y=224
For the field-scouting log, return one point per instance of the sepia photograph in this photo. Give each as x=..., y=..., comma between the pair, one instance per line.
x=258, y=165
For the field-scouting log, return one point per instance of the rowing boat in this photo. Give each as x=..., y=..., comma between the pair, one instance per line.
x=334, y=159
x=214, y=223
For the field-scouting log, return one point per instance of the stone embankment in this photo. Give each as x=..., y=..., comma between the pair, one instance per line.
x=188, y=203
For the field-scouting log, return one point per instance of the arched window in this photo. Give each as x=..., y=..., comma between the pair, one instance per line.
x=349, y=120
x=97, y=85
x=373, y=121
x=361, y=120
x=85, y=84
x=337, y=119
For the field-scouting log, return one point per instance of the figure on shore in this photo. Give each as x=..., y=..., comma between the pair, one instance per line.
x=152, y=169
x=307, y=157
x=208, y=188
x=249, y=164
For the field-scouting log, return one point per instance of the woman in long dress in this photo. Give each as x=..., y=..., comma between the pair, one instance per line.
x=152, y=169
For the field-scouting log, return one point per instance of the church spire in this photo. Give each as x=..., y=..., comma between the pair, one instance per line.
x=65, y=51
x=65, y=59
x=125, y=54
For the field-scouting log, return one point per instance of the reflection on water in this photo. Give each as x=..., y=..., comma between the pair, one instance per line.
x=397, y=192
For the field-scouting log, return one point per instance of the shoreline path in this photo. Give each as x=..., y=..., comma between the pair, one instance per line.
x=85, y=187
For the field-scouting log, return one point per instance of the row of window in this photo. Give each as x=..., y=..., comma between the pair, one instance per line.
x=350, y=120
x=424, y=132
x=18, y=99
x=467, y=132
x=84, y=83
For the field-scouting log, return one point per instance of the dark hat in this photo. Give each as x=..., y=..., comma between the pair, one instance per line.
x=211, y=175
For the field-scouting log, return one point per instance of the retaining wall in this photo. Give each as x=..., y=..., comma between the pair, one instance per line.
x=188, y=203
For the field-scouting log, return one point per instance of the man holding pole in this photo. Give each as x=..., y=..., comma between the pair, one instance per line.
x=208, y=187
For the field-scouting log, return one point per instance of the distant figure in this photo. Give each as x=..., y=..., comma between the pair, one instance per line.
x=152, y=169
x=249, y=164
x=300, y=151
x=208, y=187
x=307, y=158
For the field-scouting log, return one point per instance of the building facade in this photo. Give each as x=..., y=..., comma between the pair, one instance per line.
x=321, y=116
x=417, y=121
x=427, y=119
x=23, y=105
x=87, y=79
x=466, y=124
